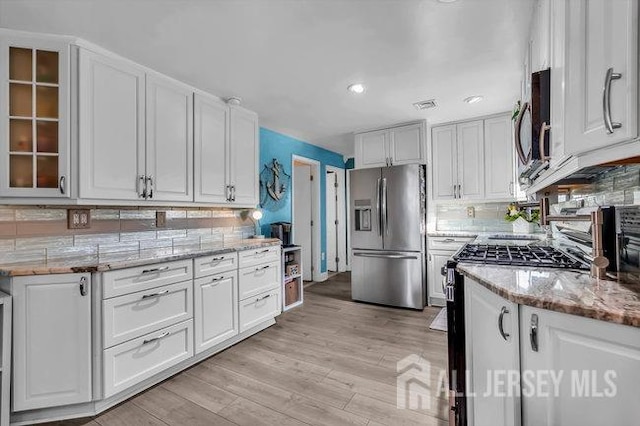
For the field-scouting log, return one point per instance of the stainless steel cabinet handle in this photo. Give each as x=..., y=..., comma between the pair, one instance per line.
x=391, y=161
x=510, y=188
x=606, y=101
x=543, y=131
x=160, y=293
x=459, y=191
x=385, y=256
x=262, y=251
x=215, y=259
x=455, y=195
x=228, y=192
x=263, y=297
x=62, y=185
x=83, y=286
x=379, y=207
x=142, y=186
x=262, y=268
x=503, y=311
x=448, y=240
x=533, y=333
x=150, y=271
x=150, y=193
x=153, y=339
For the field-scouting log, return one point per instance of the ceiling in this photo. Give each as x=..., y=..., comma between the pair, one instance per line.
x=291, y=60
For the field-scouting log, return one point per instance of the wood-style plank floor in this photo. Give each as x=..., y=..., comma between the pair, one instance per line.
x=328, y=362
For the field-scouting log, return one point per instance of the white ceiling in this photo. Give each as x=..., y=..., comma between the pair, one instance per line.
x=291, y=60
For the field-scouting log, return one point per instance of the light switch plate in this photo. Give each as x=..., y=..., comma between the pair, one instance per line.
x=471, y=211
x=78, y=219
x=161, y=219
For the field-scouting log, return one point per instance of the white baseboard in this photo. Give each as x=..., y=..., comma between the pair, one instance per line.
x=322, y=276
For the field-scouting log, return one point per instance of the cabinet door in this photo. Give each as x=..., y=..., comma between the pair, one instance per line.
x=558, y=77
x=169, y=153
x=471, y=160
x=112, y=133
x=540, y=36
x=493, y=351
x=499, y=159
x=597, y=363
x=406, y=145
x=34, y=117
x=372, y=149
x=444, y=164
x=216, y=309
x=603, y=35
x=211, y=133
x=434, y=277
x=244, y=156
x=51, y=340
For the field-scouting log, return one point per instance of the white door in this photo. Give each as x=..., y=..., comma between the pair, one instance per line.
x=471, y=160
x=211, y=133
x=169, y=155
x=51, y=340
x=372, y=149
x=603, y=36
x=492, y=348
x=332, y=226
x=406, y=145
x=591, y=355
x=34, y=117
x=499, y=159
x=444, y=162
x=437, y=259
x=111, y=117
x=302, y=217
x=244, y=156
x=216, y=309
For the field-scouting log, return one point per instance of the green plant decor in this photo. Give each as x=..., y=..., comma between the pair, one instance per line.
x=514, y=212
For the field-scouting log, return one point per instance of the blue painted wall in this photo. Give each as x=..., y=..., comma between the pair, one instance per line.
x=283, y=147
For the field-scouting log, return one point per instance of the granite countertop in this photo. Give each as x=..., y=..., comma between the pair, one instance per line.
x=484, y=234
x=564, y=291
x=128, y=259
x=463, y=234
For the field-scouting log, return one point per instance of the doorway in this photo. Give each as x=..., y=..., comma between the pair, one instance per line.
x=306, y=214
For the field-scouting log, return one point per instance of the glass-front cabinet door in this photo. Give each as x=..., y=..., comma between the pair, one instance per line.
x=34, y=117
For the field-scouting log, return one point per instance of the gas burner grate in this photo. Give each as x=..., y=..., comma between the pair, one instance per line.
x=548, y=257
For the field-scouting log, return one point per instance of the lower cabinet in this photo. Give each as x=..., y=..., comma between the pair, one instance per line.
x=435, y=261
x=258, y=309
x=216, y=309
x=51, y=340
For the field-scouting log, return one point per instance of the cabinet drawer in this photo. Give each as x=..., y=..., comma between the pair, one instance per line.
x=448, y=243
x=131, y=280
x=141, y=358
x=258, y=309
x=133, y=315
x=258, y=256
x=258, y=279
x=211, y=265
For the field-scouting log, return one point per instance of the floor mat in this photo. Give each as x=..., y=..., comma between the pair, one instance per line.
x=440, y=321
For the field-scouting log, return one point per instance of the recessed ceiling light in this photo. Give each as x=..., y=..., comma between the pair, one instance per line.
x=356, y=88
x=473, y=99
x=431, y=103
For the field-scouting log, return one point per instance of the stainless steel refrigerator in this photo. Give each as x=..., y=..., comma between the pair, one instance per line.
x=388, y=210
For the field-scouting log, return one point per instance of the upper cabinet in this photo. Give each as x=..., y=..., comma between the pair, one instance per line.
x=499, y=158
x=390, y=147
x=444, y=162
x=243, y=156
x=471, y=173
x=34, y=116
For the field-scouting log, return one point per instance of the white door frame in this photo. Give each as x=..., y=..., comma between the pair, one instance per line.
x=341, y=236
x=317, y=275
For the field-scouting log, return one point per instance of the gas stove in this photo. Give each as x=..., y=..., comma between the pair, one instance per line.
x=543, y=256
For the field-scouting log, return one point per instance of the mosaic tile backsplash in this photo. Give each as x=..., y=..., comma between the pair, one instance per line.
x=488, y=217
x=618, y=186
x=36, y=234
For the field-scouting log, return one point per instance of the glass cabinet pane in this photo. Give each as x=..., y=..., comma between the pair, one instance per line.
x=47, y=172
x=20, y=64
x=46, y=67
x=20, y=135
x=47, y=136
x=21, y=171
x=20, y=100
x=46, y=102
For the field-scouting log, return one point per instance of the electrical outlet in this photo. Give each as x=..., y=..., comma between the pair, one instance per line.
x=322, y=256
x=161, y=219
x=78, y=219
x=471, y=211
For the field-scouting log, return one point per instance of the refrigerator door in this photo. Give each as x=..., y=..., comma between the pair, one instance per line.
x=365, y=209
x=403, y=208
x=388, y=278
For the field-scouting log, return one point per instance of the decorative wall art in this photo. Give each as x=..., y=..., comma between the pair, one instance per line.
x=274, y=185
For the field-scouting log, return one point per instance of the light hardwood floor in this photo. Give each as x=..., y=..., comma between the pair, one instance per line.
x=328, y=362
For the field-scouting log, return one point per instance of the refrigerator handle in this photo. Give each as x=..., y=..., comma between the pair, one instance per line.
x=378, y=208
x=385, y=224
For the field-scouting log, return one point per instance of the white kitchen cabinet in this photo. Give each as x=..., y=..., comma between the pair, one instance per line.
x=390, y=147
x=603, y=39
x=111, y=116
x=216, y=309
x=492, y=347
x=51, y=340
x=169, y=139
x=34, y=116
x=599, y=364
x=244, y=157
x=436, y=260
x=499, y=158
x=540, y=35
x=558, y=36
x=471, y=173
x=211, y=147
x=444, y=162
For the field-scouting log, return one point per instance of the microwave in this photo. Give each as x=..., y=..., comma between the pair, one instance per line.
x=532, y=128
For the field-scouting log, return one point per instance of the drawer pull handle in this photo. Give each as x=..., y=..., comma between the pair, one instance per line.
x=153, y=339
x=263, y=251
x=160, y=293
x=263, y=268
x=448, y=240
x=217, y=279
x=150, y=271
x=503, y=311
x=217, y=258
x=263, y=297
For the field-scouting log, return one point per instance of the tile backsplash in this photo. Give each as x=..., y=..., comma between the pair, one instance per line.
x=38, y=233
x=617, y=186
x=487, y=217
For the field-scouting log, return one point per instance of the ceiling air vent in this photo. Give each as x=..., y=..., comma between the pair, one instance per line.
x=431, y=103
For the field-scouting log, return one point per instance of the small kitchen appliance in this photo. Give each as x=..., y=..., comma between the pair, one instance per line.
x=282, y=231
